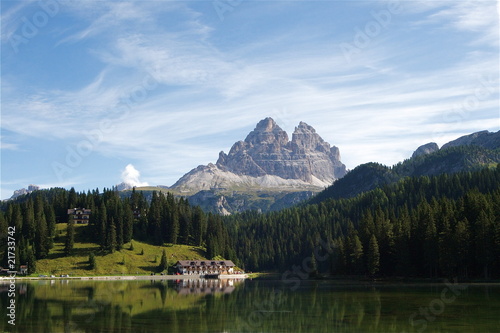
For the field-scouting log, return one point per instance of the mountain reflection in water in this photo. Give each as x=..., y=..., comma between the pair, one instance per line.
x=188, y=305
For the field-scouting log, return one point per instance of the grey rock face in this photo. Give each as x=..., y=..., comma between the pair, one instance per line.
x=23, y=191
x=426, y=149
x=484, y=139
x=268, y=151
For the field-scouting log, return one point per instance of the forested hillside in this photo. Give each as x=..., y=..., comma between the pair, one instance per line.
x=430, y=226
x=438, y=226
x=113, y=222
x=448, y=160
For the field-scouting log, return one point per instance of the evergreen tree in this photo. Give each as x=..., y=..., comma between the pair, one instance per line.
x=356, y=254
x=484, y=243
x=72, y=198
x=128, y=224
x=29, y=220
x=462, y=246
x=163, y=262
x=51, y=224
x=111, y=243
x=70, y=237
x=103, y=226
x=31, y=260
x=92, y=262
x=373, y=257
x=198, y=223
x=314, y=264
x=41, y=236
x=155, y=220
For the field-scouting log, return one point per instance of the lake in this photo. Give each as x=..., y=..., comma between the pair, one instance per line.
x=250, y=306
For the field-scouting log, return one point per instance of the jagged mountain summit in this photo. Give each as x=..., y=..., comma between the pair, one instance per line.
x=267, y=159
x=23, y=191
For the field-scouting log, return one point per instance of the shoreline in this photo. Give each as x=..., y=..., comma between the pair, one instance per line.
x=4, y=279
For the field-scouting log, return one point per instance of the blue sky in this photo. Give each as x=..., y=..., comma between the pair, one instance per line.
x=93, y=92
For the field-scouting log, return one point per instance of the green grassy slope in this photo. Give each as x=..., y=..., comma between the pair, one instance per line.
x=123, y=262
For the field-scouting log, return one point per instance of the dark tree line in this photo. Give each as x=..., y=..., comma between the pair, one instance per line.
x=440, y=226
x=114, y=221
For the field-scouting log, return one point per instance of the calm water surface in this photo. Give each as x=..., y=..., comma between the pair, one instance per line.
x=250, y=306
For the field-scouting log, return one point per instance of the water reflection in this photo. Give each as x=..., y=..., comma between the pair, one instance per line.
x=205, y=286
x=240, y=306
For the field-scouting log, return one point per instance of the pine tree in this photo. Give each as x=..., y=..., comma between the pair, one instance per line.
x=198, y=222
x=29, y=219
x=119, y=234
x=103, y=226
x=128, y=224
x=163, y=262
x=462, y=246
x=111, y=243
x=72, y=198
x=50, y=216
x=3, y=228
x=356, y=255
x=70, y=236
x=314, y=265
x=484, y=243
x=155, y=220
x=41, y=237
x=31, y=260
x=92, y=261
x=373, y=257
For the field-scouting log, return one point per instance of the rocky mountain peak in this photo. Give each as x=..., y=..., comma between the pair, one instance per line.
x=426, y=149
x=484, y=139
x=267, y=132
x=305, y=138
x=267, y=151
x=23, y=191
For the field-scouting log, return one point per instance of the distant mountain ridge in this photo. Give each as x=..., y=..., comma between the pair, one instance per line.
x=31, y=188
x=466, y=153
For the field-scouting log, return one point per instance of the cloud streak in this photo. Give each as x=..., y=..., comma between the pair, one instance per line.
x=209, y=89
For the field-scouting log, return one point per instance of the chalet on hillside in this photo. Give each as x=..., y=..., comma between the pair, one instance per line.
x=23, y=269
x=80, y=215
x=203, y=267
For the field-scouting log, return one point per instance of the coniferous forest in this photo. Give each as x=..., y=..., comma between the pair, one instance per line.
x=439, y=226
x=430, y=226
x=114, y=221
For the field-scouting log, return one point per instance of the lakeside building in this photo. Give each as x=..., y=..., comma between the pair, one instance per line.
x=203, y=267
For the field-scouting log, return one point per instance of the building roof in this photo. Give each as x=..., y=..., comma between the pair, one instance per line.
x=200, y=263
x=79, y=210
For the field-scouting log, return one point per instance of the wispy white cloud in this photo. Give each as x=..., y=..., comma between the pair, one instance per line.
x=202, y=97
x=8, y=145
x=110, y=16
x=480, y=17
